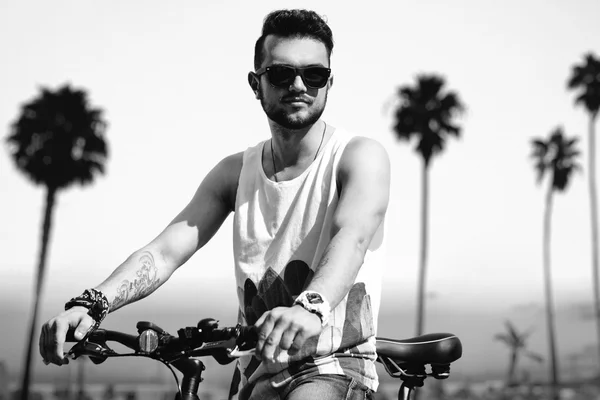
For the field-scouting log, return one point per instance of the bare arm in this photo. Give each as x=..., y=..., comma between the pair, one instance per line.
x=151, y=266
x=364, y=181
x=364, y=185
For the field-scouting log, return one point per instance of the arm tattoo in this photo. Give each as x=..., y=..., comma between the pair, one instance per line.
x=147, y=280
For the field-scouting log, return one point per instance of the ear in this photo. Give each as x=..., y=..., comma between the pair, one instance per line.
x=330, y=81
x=254, y=83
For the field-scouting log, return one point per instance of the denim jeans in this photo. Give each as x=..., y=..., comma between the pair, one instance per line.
x=328, y=387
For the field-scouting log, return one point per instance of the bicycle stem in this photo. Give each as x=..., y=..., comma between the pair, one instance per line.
x=192, y=376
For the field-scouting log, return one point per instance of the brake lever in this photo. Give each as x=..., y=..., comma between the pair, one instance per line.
x=236, y=352
x=97, y=350
x=231, y=349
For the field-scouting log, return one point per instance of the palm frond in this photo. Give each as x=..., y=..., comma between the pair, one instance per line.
x=534, y=356
x=556, y=155
x=585, y=80
x=517, y=338
x=501, y=337
x=426, y=112
x=58, y=138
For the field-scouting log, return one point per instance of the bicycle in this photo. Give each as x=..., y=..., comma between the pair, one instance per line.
x=405, y=359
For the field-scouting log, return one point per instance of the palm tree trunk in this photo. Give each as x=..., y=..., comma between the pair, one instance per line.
x=423, y=257
x=81, y=378
x=594, y=222
x=549, y=298
x=512, y=366
x=46, y=224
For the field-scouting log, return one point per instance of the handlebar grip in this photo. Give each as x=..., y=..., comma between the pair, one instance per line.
x=248, y=335
x=71, y=336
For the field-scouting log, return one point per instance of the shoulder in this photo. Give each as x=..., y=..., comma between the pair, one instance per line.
x=223, y=178
x=232, y=162
x=228, y=168
x=362, y=153
x=364, y=144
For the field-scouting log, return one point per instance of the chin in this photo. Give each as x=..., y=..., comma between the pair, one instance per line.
x=298, y=120
x=296, y=124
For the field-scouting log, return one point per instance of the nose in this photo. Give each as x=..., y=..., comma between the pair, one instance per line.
x=298, y=85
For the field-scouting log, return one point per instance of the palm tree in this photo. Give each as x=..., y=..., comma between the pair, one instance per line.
x=557, y=157
x=517, y=344
x=57, y=140
x=585, y=79
x=426, y=112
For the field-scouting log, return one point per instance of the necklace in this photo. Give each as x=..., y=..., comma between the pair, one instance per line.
x=316, y=154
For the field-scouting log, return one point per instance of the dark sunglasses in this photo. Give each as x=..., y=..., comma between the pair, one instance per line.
x=283, y=76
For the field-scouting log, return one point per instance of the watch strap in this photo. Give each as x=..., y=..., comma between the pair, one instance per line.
x=315, y=303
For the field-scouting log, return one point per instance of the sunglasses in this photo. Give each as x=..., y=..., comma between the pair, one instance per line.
x=283, y=76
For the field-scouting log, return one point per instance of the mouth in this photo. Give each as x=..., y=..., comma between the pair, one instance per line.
x=295, y=100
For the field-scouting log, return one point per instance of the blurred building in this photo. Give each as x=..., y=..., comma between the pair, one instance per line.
x=4, y=391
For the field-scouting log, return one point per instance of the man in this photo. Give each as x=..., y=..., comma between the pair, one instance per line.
x=309, y=208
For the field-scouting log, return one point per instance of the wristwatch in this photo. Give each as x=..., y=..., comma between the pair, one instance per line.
x=315, y=303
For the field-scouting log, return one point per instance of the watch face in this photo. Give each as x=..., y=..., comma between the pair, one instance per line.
x=314, y=298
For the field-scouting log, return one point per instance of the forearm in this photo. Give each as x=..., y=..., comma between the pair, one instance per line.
x=141, y=274
x=339, y=265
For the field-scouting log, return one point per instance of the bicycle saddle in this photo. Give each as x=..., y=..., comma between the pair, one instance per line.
x=404, y=355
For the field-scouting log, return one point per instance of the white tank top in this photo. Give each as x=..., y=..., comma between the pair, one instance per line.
x=281, y=230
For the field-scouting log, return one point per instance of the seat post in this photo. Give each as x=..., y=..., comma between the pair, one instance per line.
x=404, y=392
x=409, y=383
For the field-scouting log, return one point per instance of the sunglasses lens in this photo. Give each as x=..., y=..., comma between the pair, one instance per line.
x=281, y=75
x=316, y=77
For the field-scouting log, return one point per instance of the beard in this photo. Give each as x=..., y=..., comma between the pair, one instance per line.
x=293, y=121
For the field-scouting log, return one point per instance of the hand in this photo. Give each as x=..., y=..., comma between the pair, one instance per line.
x=54, y=332
x=286, y=327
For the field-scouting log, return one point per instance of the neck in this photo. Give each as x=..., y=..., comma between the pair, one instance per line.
x=291, y=147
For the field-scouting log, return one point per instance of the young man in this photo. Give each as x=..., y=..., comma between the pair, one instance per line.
x=309, y=208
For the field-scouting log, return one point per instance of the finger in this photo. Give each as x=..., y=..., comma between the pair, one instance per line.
x=57, y=338
x=47, y=343
x=288, y=336
x=50, y=344
x=41, y=343
x=45, y=350
x=264, y=326
x=299, y=340
x=272, y=341
x=83, y=327
x=262, y=318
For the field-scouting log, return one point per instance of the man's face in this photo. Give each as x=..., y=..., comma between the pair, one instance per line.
x=297, y=106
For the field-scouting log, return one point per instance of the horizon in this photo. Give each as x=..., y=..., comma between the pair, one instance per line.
x=576, y=361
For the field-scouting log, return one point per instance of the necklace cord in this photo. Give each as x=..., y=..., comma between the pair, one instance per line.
x=316, y=154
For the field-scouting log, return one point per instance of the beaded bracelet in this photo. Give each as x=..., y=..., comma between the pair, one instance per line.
x=94, y=301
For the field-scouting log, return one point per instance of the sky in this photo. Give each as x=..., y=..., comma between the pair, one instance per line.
x=171, y=80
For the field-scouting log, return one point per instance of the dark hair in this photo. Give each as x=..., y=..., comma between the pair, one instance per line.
x=293, y=23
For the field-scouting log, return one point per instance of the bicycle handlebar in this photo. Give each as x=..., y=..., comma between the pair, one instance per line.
x=206, y=339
